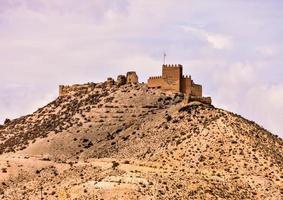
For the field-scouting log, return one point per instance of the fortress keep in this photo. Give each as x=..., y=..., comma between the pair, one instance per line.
x=172, y=79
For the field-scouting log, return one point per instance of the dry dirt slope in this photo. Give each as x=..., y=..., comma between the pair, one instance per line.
x=129, y=142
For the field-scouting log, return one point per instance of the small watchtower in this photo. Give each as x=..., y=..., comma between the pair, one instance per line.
x=132, y=77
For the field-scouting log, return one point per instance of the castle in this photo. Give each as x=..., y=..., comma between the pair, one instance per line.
x=172, y=79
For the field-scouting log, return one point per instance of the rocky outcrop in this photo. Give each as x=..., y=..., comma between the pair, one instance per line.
x=7, y=121
x=204, y=100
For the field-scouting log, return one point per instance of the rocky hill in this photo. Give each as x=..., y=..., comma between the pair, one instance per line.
x=131, y=142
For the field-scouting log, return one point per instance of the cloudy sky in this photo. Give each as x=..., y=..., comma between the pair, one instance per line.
x=234, y=48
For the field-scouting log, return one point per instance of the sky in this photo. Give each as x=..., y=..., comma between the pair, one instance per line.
x=234, y=48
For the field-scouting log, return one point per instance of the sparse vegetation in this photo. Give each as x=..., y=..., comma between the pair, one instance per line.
x=115, y=164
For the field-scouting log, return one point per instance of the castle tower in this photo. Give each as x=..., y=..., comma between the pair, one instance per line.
x=172, y=79
x=132, y=77
x=172, y=74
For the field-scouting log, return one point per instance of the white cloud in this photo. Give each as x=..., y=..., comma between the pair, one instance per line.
x=266, y=50
x=218, y=41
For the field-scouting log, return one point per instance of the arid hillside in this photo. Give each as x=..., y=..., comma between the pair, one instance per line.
x=131, y=142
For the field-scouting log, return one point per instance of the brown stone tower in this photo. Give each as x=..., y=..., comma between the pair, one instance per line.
x=172, y=75
x=132, y=77
x=172, y=79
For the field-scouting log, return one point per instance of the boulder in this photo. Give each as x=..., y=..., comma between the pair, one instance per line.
x=7, y=121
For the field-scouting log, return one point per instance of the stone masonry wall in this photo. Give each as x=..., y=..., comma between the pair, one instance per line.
x=196, y=90
x=68, y=89
x=186, y=85
x=155, y=82
x=131, y=78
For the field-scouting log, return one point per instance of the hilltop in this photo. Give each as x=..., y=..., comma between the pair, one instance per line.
x=105, y=141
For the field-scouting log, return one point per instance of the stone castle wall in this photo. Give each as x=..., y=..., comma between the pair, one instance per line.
x=130, y=78
x=156, y=82
x=69, y=89
x=186, y=85
x=196, y=90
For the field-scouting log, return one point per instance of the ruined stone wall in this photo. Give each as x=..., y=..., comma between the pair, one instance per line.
x=205, y=100
x=172, y=75
x=132, y=77
x=196, y=90
x=69, y=89
x=88, y=87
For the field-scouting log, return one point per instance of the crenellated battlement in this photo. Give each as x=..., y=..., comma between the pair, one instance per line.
x=172, y=65
x=186, y=76
x=155, y=77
